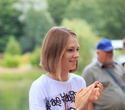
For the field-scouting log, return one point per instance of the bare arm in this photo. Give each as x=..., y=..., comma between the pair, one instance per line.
x=90, y=106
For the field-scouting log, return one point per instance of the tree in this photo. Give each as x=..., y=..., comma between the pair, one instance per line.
x=13, y=47
x=9, y=23
x=37, y=23
x=113, y=18
x=35, y=57
x=25, y=5
x=57, y=9
x=105, y=16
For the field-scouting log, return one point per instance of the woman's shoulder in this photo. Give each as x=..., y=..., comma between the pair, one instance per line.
x=76, y=77
x=41, y=81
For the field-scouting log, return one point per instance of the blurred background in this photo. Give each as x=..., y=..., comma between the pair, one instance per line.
x=24, y=24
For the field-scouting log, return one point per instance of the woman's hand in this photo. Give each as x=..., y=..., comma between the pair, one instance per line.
x=90, y=94
x=82, y=98
x=96, y=92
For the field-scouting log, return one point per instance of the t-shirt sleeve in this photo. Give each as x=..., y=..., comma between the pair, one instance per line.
x=36, y=100
x=81, y=81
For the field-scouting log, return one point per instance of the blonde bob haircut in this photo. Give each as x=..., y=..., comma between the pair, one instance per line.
x=53, y=48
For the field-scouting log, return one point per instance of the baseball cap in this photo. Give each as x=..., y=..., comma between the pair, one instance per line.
x=105, y=45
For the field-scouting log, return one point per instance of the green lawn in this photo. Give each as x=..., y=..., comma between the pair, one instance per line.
x=20, y=76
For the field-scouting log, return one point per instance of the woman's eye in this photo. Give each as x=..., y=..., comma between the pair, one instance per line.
x=77, y=49
x=70, y=49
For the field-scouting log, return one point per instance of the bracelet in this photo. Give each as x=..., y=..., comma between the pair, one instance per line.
x=71, y=108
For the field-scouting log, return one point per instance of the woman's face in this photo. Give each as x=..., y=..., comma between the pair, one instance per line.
x=71, y=55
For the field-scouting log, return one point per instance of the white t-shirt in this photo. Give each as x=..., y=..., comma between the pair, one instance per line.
x=49, y=94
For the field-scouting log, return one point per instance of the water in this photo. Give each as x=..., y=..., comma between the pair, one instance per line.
x=14, y=94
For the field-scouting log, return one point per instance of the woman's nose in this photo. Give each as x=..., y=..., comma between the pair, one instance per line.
x=76, y=55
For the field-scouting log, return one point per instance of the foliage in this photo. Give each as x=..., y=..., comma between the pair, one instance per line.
x=35, y=57
x=37, y=23
x=3, y=42
x=11, y=60
x=113, y=18
x=13, y=46
x=9, y=23
x=87, y=39
x=25, y=5
x=86, y=10
x=106, y=22
x=119, y=55
x=25, y=58
x=106, y=17
x=57, y=9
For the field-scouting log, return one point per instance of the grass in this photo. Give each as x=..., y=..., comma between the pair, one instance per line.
x=16, y=74
x=20, y=76
x=20, y=73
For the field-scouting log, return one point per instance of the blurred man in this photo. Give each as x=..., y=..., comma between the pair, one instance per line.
x=110, y=74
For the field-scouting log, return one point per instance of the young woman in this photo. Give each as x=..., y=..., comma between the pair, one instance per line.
x=60, y=89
